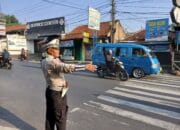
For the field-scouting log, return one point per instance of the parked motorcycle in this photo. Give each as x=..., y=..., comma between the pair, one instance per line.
x=6, y=63
x=117, y=72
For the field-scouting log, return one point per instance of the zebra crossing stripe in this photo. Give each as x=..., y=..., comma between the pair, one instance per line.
x=148, y=94
x=143, y=98
x=168, y=76
x=159, y=84
x=146, y=108
x=164, y=81
x=7, y=128
x=131, y=115
x=151, y=88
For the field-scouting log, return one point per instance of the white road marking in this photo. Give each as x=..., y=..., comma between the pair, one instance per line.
x=147, y=108
x=148, y=93
x=131, y=115
x=74, y=109
x=164, y=81
x=159, y=84
x=143, y=98
x=7, y=128
x=77, y=109
x=151, y=88
x=167, y=76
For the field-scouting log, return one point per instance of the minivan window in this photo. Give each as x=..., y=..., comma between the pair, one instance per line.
x=117, y=51
x=138, y=52
x=123, y=52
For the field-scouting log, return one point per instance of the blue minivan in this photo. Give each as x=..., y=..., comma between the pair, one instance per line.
x=138, y=60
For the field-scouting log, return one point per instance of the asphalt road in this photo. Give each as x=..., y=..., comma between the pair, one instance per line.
x=151, y=103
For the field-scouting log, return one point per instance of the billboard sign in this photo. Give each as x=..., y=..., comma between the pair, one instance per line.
x=48, y=27
x=94, y=19
x=157, y=30
x=69, y=43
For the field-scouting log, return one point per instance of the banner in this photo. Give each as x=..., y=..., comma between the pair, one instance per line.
x=94, y=19
x=157, y=30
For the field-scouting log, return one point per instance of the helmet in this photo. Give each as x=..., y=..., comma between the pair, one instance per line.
x=109, y=52
x=53, y=43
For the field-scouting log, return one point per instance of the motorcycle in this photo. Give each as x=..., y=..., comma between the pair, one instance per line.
x=5, y=63
x=117, y=72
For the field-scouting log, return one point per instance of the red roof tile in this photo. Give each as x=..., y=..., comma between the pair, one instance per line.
x=12, y=28
x=77, y=33
x=138, y=36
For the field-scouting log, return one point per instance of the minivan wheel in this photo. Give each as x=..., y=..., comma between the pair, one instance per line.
x=138, y=73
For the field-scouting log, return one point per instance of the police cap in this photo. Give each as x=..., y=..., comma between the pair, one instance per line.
x=52, y=44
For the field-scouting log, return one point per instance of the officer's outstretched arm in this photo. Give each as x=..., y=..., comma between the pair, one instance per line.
x=65, y=68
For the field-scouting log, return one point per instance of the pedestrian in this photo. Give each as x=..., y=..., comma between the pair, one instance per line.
x=54, y=69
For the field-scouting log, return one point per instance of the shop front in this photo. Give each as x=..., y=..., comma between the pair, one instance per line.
x=67, y=50
x=88, y=51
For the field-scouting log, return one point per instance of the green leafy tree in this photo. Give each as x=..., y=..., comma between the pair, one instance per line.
x=11, y=20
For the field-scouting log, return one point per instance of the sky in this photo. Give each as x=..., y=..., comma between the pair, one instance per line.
x=132, y=14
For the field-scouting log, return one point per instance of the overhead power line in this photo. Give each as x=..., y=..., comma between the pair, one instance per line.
x=129, y=2
x=146, y=7
x=61, y=4
x=144, y=13
x=29, y=7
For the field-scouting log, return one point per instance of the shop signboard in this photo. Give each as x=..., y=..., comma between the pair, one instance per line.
x=69, y=43
x=48, y=27
x=157, y=30
x=94, y=19
x=86, y=37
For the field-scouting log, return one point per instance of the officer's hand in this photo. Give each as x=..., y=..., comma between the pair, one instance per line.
x=90, y=67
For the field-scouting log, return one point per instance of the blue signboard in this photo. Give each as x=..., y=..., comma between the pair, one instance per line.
x=178, y=37
x=157, y=30
x=69, y=43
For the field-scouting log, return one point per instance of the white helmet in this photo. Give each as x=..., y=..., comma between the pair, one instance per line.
x=110, y=52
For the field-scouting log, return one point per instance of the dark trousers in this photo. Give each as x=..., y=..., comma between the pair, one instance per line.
x=56, y=110
x=110, y=65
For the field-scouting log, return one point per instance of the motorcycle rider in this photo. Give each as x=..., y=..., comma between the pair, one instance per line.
x=109, y=60
x=23, y=55
x=5, y=56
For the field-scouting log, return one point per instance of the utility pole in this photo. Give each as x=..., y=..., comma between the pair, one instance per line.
x=112, y=20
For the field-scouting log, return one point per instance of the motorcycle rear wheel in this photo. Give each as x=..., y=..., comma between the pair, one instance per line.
x=8, y=65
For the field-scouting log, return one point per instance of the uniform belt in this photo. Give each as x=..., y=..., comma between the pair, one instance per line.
x=58, y=88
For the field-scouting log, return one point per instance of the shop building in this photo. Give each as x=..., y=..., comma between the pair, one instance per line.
x=16, y=40
x=79, y=42
x=37, y=31
x=3, y=43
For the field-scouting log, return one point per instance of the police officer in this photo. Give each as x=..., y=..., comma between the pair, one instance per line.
x=53, y=70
